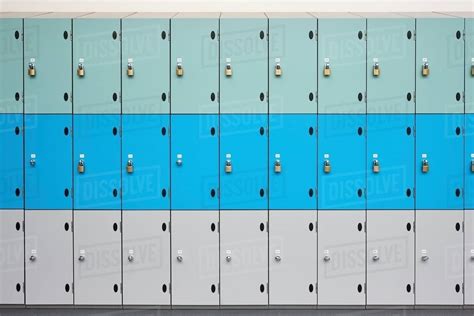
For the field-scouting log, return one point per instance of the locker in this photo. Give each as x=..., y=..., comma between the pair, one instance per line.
x=469, y=53
x=469, y=258
x=292, y=63
x=194, y=165
x=292, y=258
x=439, y=258
x=96, y=63
x=243, y=63
x=48, y=51
x=11, y=162
x=97, y=162
x=292, y=154
x=97, y=258
x=341, y=63
x=440, y=50
x=341, y=161
x=11, y=64
x=390, y=161
x=145, y=60
x=145, y=173
x=390, y=63
x=243, y=162
x=146, y=258
x=11, y=257
x=196, y=90
x=341, y=257
x=195, y=258
x=48, y=161
x=49, y=257
x=469, y=164
x=390, y=257
x=244, y=258
x=439, y=148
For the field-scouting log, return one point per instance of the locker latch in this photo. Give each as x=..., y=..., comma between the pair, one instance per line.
x=179, y=160
x=80, y=68
x=472, y=67
x=375, y=255
x=277, y=258
x=228, y=163
x=33, y=160
x=33, y=255
x=326, y=257
x=130, y=258
x=472, y=163
x=228, y=258
x=130, y=166
x=375, y=164
x=81, y=167
x=277, y=165
x=327, y=164
x=425, y=166
x=327, y=68
x=376, y=68
x=32, y=68
x=179, y=67
x=228, y=68
x=278, y=70
x=425, y=70
x=472, y=254
x=130, y=69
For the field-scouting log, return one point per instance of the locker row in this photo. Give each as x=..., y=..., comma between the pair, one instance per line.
x=237, y=162
x=196, y=63
x=235, y=258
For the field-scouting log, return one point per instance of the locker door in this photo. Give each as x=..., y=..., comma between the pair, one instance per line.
x=195, y=91
x=243, y=161
x=341, y=258
x=341, y=151
x=293, y=50
x=390, y=162
x=439, y=45
x=439, y=258
x=195, y=258
x=146, y=258
x=48, y=49
x=244, y=258
x=194, y=164
x=145, y=162
x=11, y=65
x=243, y=63
x=146, y=51
x=96, y=49
x=390, y=257
x=469, y=164
x=469, y=74
x=469, y=258
x=292, y=258
x=12, y=254
x=97, y=149
x=48, y=161
x=97, y=258
x=439, y=146
x=49, y=257
x=11, y=169
x=342, y=49
x=390, y=64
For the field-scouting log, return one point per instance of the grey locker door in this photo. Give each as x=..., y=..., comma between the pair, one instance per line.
x=49, y=259
x=146, y=257
x=341, y=257
x=11, y=254
x=469, y=258
x=97, y=258
x=244, y=257
x=292, y=258
x=390, y=257
x=439, y=257
x=195, y=258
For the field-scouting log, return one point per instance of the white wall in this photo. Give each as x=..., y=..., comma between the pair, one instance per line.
x=234, y=5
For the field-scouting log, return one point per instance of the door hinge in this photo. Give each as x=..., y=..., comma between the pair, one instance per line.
x=268, y=227
x=23, y=226
x=268, y=289
x=169, y=226
x=365, y=226
x=121, y=288
x=23, y=287
x=316, y=229
x=316, y=287
x=218, y=288
x=365, y=288
x=120, y=226
x=72, y=226
x=414, y=226
x=72, y=287
x=219, y=227
x=414, y=289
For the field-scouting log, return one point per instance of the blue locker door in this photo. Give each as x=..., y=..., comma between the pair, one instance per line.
x=439, y=144
x=97, y=146
x=341, y=162
x=48, y=162
x=469, y=193
x=194, y=162
x=244, y=148
x=145, y=162
x=390, y=162
x=291, y=162
x=11, y=161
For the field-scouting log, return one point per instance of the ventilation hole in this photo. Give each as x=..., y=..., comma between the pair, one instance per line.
x=213, y=35
x=408, y=192
x=115, y=288
x=164, y=288
x=66, y=192
x=17, y=130
x=18, y=287
x=360, y=35
x=67, y=288
x=262, y=192
x=17, y=96
x=408, y=288
x=458, y=96
x=311, y=192
x=359, y=288
x=115, y=227
x=262, y=227
x=408, y=226
x=458, y=227
x=359, y=97
x=66, y=131
x=262, y=96
x=17, y=226
x=163, y=35
x=262, y=131
x=65, y=35
x=311, y=96
x=311, y=131
x=408, y=96
x=114, y=192
x=213, y=131
x=311, y=227
x=213, y=97
x=409, y=34
x=66, y=226
x=311, y=34
x=163, y=193
x=311, y=288
x=213, y=288
x=114, y=35
x=17, y=191
x=163, y=131
x=262, y=288
x=458, y=131
x=458, y=192
x=114, y=97
x=458, y=34
x=213, y=227
x=359, y=131
x=163, y=227
x=359, y=192
x=457, y=288
x=17, y=35
x=213, y=193
x=359, y=227
x=163, y=97
x=408, y=131
x=262, y=34
x=114, y=131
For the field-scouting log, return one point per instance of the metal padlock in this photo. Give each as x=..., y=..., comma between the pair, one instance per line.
x=376, y=70
x=31, y=69
x=278, y=70
x=228, y=166
x=80, y=70
x=376, y=166
x=327, y=70
x=277, y=166
x=425, y=167
x=129, y=166
x=425, y=71
x=130, y=70
x=179, y=70
x=327, y=166
x=81, y=168
x=228, y=70
x=472, y=166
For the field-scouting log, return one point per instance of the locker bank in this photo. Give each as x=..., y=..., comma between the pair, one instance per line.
x=236, y=160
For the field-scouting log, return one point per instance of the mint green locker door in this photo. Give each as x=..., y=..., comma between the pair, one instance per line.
x=11, y=74
x=293, y=51
x=145, y=63
x=195, y=63
x=390, y=64
x=469, y=25
x=96, y=63
x=243, y=63
x=48, y=51
x=341, y=63
x=439, y=64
